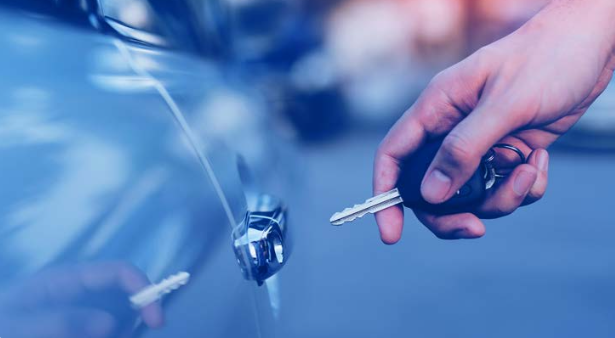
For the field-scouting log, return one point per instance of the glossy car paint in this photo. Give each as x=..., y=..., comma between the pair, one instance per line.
x=111, y=151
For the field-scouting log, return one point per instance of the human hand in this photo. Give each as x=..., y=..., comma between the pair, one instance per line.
x=83, y=301
x=525, y=90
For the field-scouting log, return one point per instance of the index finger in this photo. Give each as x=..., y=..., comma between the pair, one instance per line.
x=405, y=137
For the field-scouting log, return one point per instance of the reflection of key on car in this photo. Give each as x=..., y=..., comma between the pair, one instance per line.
x=155, y=292
x=84, y=300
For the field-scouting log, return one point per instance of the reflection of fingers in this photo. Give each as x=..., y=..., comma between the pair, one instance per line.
x=390, y=222
x=509, y=195
x=458, y=226
x=118, y=275
x=539, y=159
x=127, y=278
x=73, y=323
x=152, y=315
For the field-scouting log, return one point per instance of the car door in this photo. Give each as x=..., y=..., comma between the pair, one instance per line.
x=101, y=163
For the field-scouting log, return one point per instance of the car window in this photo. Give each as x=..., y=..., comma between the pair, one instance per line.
x=135, y=20
x=162, y=23
x=73, y=12
x=187, y=25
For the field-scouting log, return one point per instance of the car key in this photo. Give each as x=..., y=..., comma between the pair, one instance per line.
x=408, y=187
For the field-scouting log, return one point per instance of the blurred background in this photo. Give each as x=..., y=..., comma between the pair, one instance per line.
x=339, y=73
x=325, y=79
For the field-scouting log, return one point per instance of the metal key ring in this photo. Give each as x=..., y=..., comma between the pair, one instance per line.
x=507, y=147
x=513, y=148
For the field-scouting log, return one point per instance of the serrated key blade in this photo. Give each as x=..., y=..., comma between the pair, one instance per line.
x=370, y=206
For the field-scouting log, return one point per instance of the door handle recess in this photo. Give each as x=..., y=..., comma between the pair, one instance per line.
x=262, y=244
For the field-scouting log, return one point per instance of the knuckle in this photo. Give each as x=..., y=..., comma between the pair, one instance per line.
x=439, y=84
x=439, y=78
x=381, y=154
x=536, y=194
x=458, y=149
x=486, y=54
x=505, y=210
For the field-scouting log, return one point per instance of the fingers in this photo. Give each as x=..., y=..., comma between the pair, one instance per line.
x=510, y=193
x=128, y=279
x=68, y=285
x=152, y=315
x=81, y=301
x=439, y=108
x=539, y=159
x=485, y=122
x=67, y=323
x=404, y=138
x=390, y=223
x=458, y=226
x=462, y=150
x=526, y=184
x=102, y=276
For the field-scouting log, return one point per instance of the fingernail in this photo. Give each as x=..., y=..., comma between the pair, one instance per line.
x=523, y=183
x=543, y=161
x=436, y=186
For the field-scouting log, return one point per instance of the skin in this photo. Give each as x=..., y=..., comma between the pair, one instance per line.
x=526, y=89
x=60, y=302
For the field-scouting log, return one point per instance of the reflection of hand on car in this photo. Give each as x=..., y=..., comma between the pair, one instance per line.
x=526, y=90
x=82, y=301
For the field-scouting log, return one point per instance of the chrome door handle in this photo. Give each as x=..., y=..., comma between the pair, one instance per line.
x=262, y=244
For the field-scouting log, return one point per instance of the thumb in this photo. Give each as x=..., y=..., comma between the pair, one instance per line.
x=463, y=148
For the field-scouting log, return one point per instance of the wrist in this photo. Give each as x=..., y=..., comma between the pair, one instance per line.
x=591, y=20
x=608, y=12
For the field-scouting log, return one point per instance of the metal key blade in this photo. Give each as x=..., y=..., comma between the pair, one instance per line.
x=371, y=206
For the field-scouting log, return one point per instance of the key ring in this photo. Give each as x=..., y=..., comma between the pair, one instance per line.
x=491, y=175
x=511, y=148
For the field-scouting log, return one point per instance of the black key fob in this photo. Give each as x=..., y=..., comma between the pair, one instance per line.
x=413, y=169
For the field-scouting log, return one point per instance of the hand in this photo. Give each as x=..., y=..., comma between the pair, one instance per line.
x=83, y=301
x=526, y=90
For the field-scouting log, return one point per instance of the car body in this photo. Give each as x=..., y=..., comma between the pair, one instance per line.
x=118, y=146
